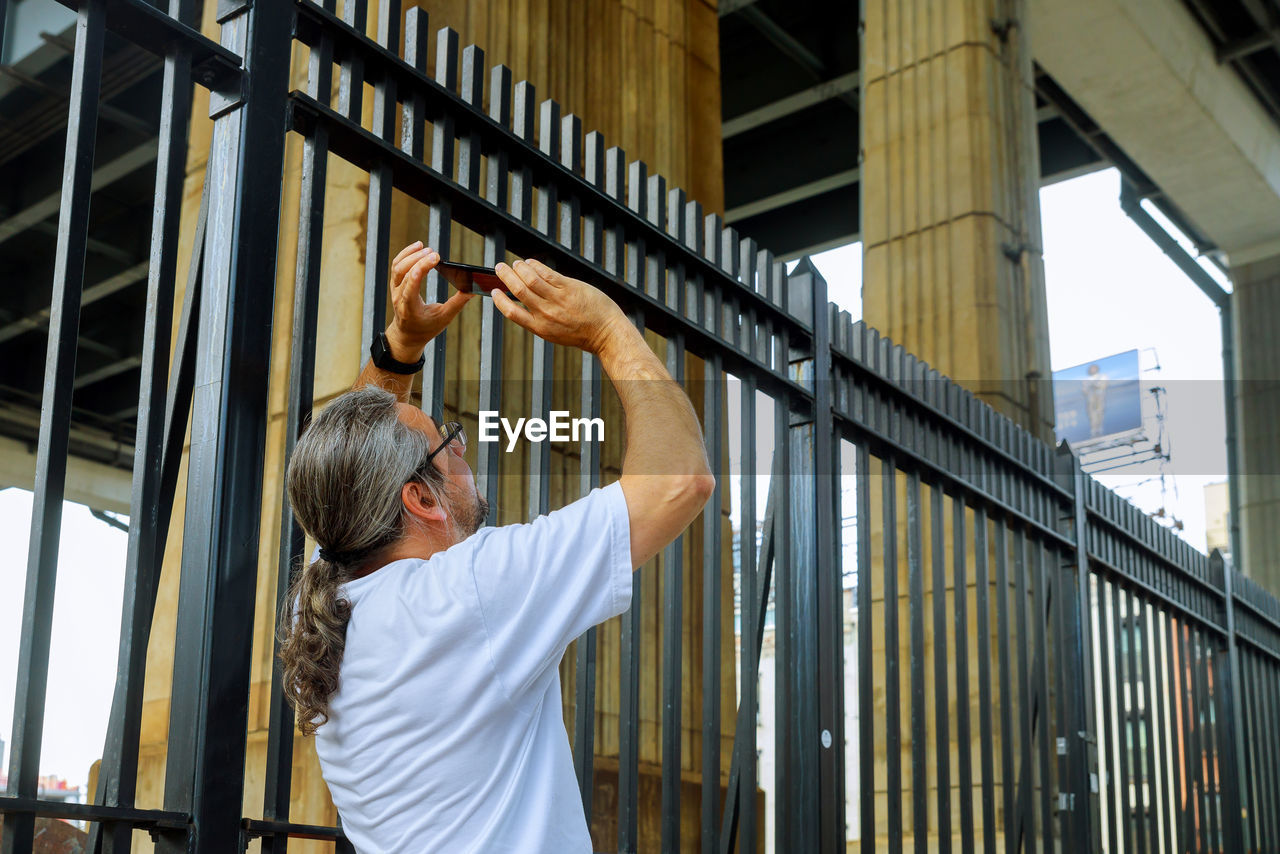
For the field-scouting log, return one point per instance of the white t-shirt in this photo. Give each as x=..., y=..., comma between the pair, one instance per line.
x=446, y=731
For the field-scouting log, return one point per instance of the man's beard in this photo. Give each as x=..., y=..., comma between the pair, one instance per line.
x=469, y=514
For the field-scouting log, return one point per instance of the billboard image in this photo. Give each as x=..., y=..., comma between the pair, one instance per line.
x=1098, y=399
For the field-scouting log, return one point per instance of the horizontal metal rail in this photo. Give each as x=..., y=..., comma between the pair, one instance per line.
x=256, y=828
x=413, y=177
x=471, y=120
x=212, y=66
x=142, y=819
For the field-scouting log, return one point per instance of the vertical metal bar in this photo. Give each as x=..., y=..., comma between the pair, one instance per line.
x=585, y=647
x=440, y=218
x=1177, y=716
x=1271, y=677
x=1007, y=780
x=471, y=89
x=1249, y=712
x=655, y=265
x=1106, y=653
x=1026, y=741
x=524, y=112
x=866, y=645
x=149, y=509
x=982, y=607
x=1213, y=768
x=55, y=423
x=1043, y=602
x=637, y=177
x=712, y=427
x=378, y=224
x=120, y=751
x=1169, y=738
x=571, y=159
x=1084, y=743
x=1194, y=816
x=1234, y=819
x=315, y=157
x=784, y=679
x=1127, y=737
x=1227, y=761
x=892, y=678
x=673, y=590
x=212, y=657
x=729, y=821
x=964, y=762
x=351, y=73
x=1204, y=743
x=491, y=322
x=1260, y=807
x=632, y=627
x=413, y=112
x=1147, y=722
x=829, y=587
x=941, y=691
x=543, y=369
x=614, y=260
x=1065, y=682
x=1269, y=713
x=672, y=626
x=915, y=587
x=629, y=726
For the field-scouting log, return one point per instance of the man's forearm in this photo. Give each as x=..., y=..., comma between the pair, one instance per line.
x=663, y=434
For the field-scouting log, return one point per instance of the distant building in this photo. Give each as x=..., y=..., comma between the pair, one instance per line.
x=1217, y=518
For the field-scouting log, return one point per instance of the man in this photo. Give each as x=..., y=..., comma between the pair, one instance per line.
x=421, y=650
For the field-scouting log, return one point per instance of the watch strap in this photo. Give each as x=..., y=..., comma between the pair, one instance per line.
x=380, y=354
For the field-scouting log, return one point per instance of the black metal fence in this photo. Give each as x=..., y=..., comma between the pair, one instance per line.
x=1038, y=665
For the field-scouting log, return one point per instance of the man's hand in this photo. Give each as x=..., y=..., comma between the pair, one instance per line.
x=665, y=475
x=557, y=308
x=415, y=322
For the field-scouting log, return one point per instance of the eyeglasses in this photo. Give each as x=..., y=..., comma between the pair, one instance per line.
x=454, y=434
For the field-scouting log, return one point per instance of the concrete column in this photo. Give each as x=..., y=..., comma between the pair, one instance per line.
x=953, y=272
x=950, y=181
x=645, y=74
x=1257, y=401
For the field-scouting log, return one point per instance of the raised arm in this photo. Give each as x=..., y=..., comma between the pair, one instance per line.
x=665, y=476
x=415, y=322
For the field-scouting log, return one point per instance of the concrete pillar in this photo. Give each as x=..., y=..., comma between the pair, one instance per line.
x=645, y=74
x=1257, y=400
x=953, y=272
x=950, y=182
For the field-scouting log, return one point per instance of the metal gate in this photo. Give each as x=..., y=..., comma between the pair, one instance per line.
x=1038, y=665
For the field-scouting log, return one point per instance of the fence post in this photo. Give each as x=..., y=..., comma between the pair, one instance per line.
x=811, y=620
x=213, y=651
x=1234, y=812
x=1079, y=807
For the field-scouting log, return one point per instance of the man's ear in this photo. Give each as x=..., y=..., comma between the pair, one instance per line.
x=419, y=502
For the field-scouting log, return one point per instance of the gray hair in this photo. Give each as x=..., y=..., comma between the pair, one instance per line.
x=344, y=482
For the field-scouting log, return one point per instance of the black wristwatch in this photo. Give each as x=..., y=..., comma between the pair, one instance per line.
x=380, y=353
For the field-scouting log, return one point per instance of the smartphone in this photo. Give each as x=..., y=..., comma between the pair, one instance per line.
x=471, y=279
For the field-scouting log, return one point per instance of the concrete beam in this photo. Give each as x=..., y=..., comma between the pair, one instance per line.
x=803, y=99
x=103, y=175
x=95, y=485
x=795, y=194
x=39, y=319
x=1147, y=73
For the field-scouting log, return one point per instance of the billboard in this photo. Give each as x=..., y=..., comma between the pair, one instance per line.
x=1098, y=400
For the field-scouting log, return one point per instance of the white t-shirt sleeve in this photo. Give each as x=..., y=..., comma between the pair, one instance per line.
x=542, y=584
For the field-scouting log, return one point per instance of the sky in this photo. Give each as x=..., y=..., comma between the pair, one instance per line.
x=1109, y=290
